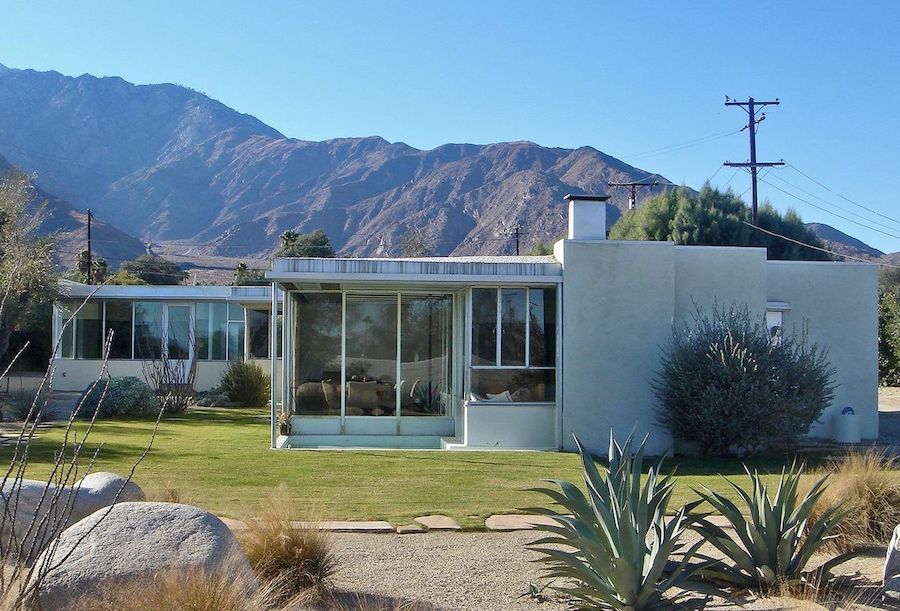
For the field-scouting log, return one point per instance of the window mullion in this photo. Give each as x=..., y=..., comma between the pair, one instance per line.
x=527, y=327
x=498, y=356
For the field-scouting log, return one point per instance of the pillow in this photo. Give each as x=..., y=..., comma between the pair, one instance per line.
x=503, y=396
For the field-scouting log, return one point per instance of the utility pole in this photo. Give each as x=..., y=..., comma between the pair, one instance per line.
x=90, y=259
x=517, y=241
x=752, y=106
x=633, y=186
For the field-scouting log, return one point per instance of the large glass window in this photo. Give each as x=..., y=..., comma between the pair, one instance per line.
x=258, y=333
x=64, y=312
x=426, y=331
x=317, y=369
x=371, y=355
x=118, y=320
x=524, y=336
x=219, y=329
x=178, y=335
x=235, y=332
x=89, y=331
x=484, y=326
x=148, y=329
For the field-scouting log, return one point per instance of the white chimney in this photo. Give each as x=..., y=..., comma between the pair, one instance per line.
x=587, y=217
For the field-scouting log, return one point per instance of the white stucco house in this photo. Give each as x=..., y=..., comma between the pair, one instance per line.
x=496, y=352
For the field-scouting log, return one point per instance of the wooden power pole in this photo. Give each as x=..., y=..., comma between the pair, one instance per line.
x=633, y=187
x=752, y=106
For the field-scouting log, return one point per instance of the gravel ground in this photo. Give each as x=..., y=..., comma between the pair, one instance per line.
x=486, y=572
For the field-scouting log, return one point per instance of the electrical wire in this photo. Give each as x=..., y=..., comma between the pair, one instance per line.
x=680, y=146
x=841, y=216
x=847, y=199
x=820, y=249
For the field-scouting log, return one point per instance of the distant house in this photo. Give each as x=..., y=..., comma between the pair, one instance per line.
x=494, y=352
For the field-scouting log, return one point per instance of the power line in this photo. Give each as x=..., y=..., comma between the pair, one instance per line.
x=832, y=204
x=752, y=106
x=633, y=187
x=820, y=249
x=680, y=146
x=841, y=216
x=808, y=177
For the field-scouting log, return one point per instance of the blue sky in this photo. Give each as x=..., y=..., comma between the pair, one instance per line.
x=628, y=78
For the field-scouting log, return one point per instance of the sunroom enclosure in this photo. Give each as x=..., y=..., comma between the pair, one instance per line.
x=419, y=353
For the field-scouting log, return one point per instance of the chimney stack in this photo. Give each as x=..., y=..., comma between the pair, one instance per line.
x=587, y=217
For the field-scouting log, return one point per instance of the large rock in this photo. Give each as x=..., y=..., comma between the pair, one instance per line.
x=91, y=493
x=138, y=541
x=892, y=567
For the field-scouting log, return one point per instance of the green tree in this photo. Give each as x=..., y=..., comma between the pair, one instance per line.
x=79, y=273
x=313, y=244
x=716, y=218
x=153, y=269
x=541, y=248
x=28, y=276
x=888, y=340
x=416, y=244
x=123, y=278
x=245, y=276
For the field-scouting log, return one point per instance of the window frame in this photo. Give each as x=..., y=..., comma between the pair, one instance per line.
x=498, y=357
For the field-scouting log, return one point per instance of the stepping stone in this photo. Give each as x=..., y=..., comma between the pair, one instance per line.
x=375, y=526
x=515, y=521
x=410, y=529
x=437, y=522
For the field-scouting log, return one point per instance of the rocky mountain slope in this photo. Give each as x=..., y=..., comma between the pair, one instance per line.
x=169, y=164
x=69, y=227
x=839, y=241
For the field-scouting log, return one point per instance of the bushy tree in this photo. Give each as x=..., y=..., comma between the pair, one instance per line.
x=27, y=274
x=98, y=266
x=727, y=387
x=716, y=218
x=153, y=269
x=245, y=276
x=123, y=278
x=541, y=248
x=416, y=244
x=313, y=244
x=889, y=340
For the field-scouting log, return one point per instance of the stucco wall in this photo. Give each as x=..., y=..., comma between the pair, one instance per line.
x=718, y=276
x=838, y=303
x=618, y=305
x=76, y=374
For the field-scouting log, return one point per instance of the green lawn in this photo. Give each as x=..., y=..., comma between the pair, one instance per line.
x=219, y=459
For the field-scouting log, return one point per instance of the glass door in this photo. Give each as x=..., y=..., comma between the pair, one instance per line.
x=371, y=355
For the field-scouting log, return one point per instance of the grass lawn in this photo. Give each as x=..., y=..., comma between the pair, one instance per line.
x=219, y=459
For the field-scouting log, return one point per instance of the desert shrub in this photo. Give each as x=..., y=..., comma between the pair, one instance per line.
x=189, y=590
x=15, y=406
x=617, y=542
x=295, y=556
x=125, y=397
x=775, y=535
x=867, y=484
x=213, y=398
x=728, y=387
x=246, y=384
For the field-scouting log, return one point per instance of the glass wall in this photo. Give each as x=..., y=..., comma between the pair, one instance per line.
x=89, y=331
x=317, y=367
x=513, y=356
x=371, y=355
x=141, y=330
x=426, y=325
x=258, y=322
x=395, y=351
x=119, y=321
x=148, y=329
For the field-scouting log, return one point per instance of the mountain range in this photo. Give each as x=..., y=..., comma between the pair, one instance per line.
x=177, y=169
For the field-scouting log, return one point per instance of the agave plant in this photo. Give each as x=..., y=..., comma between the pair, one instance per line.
x=617, y=541
x=775, y=537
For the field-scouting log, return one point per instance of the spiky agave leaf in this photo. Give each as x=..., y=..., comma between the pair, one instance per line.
x=613, y=544
x=775, y=535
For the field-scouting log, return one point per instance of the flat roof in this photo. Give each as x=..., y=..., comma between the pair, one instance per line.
x=292, y=272
x=175, y=292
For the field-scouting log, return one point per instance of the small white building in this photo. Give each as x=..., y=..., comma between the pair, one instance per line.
x=484, y=352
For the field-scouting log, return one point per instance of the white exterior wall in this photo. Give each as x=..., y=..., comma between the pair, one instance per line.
x=76, y=374
x=838, y=304
x=718, y=276
x=511, y=426
x=618, y=304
